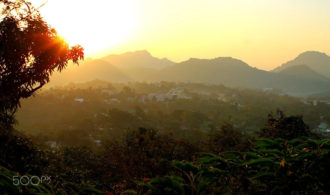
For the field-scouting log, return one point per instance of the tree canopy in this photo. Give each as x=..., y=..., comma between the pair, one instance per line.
x=280, y=126
x=30, y=51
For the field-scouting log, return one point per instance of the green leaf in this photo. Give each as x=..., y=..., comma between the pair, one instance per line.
x=268, y=143
x=261, y=162
x=130, y=192
x=186, y=166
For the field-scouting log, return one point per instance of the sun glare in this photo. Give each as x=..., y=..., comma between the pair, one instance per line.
x=262, y=33
x=96, y=25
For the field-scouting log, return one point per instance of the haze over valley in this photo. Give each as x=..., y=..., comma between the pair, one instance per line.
x=306, y=75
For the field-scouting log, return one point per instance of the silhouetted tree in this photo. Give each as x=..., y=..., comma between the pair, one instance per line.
x=30, y=51
x=281, y=126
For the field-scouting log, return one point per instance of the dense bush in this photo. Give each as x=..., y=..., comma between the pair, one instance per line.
x=273, y=167
x=17, y=152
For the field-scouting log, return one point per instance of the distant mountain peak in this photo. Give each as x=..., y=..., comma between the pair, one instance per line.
x=312, y=54
x=219, y=61
x=317, y=61
x=138, y=52
x=226, y=59
x=193, y=60
x=137, y=59
x=230, y=60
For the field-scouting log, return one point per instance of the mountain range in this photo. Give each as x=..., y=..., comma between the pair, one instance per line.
x=307, y=74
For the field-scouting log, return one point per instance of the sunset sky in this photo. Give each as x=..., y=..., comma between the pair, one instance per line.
x=263, y=33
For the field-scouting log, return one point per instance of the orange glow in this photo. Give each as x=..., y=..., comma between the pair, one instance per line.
x=96, y=25
x=263, y=33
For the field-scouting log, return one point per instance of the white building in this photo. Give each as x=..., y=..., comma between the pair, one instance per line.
x=109, y=91
x=81, y=100
x=314, y=103
x=98, y=142
x=112, y=101
x=178, y=92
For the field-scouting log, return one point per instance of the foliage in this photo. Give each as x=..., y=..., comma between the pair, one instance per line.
x=17, y=152
x=72, y=164
x=143, y=153
x=150, y=162
x=285, y=127
x=227, y=138
x=273, y=167
x=30, y=51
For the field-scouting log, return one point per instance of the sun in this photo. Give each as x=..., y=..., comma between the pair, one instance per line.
x=96, y=25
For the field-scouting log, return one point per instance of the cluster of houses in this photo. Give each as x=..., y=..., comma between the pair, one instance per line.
x=314, y=102
x=177, y=93
x=309, y=102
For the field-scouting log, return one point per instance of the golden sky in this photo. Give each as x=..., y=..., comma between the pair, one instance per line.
x=263, y=33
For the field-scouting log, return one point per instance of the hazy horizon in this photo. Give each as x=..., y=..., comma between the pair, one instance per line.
x=209, y=58
x=264, y=34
